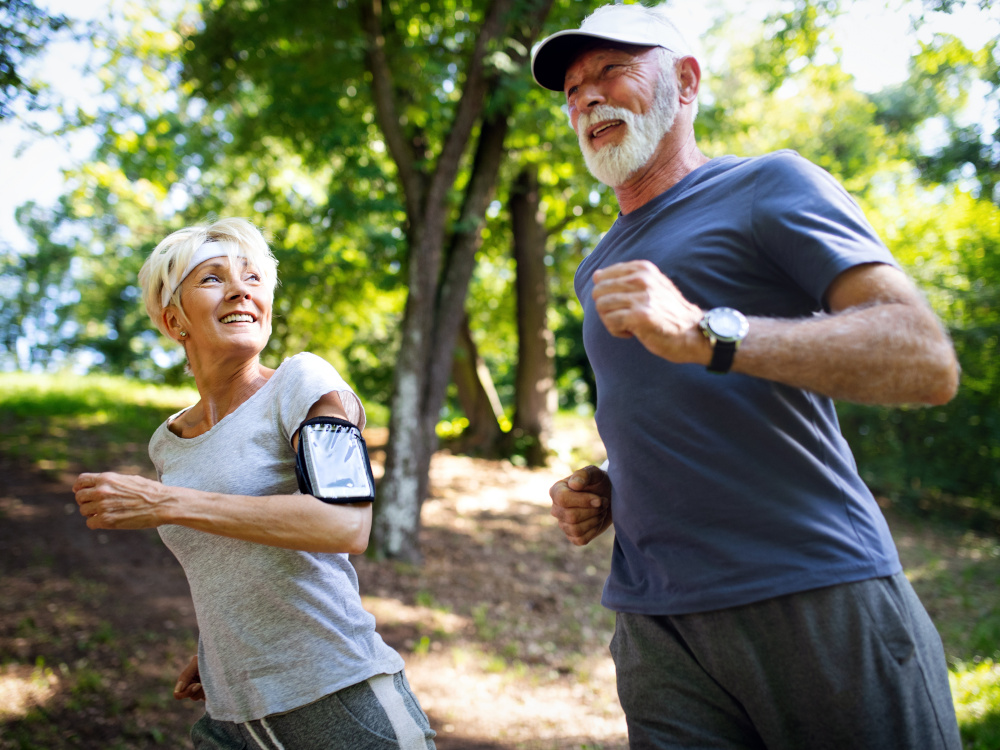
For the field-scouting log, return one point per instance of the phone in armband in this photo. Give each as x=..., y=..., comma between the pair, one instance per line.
x=331, y=462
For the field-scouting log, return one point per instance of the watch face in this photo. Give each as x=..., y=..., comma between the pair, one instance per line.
x=727, y=324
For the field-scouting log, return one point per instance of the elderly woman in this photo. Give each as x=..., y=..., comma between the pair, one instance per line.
x=287, y=655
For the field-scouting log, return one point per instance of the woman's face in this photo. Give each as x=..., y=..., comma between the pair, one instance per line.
x=227, y=307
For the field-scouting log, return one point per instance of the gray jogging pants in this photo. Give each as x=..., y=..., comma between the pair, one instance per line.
x=857, y=666
x=379, y=714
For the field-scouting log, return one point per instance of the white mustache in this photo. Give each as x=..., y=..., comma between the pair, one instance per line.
x=601, y=113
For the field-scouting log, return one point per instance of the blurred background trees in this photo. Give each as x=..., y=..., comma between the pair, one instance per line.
x=25, y=28
x=428, y=207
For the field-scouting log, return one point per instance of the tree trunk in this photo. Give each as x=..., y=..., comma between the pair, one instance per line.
x=409, y=448
x=535, y=392
x=423, y=368
x=478, y=398
x=438, y=279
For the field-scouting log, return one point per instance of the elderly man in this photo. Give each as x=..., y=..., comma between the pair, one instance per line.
x=759, y=597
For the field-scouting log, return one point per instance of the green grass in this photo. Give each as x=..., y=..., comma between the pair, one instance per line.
x=956, y=572
x=976, y=689
x=66, y=423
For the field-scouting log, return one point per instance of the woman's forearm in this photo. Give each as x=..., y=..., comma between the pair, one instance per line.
x=299, y=522
x=127, y=501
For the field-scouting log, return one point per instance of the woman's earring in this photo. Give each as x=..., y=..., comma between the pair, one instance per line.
x=184, y=334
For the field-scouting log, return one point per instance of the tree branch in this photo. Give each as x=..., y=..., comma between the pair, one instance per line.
x=386, y=110
x=462, y=252
x=470, y=104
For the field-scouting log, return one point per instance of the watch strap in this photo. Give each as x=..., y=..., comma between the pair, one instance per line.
x=722, y=356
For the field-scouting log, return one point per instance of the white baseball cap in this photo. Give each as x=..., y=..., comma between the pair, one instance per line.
x=628, y=24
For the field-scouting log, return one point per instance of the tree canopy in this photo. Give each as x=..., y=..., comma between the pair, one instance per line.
x=25, y=29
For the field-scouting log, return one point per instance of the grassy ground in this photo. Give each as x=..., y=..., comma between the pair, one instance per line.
x=957, y=575
x=501, y=629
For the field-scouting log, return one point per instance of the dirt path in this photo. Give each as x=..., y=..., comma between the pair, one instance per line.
x=93, y=626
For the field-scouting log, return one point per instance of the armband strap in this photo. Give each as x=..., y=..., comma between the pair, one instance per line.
x=332, y=463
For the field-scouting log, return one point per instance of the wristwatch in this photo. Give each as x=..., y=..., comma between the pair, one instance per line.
x=725, y=328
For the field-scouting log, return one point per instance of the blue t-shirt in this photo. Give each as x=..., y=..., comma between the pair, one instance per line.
x=730, y=489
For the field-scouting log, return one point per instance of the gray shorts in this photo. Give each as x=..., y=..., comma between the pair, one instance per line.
x=378, y=714
x=858, y=665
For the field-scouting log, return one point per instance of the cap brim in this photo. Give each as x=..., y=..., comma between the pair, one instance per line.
x=555, y=54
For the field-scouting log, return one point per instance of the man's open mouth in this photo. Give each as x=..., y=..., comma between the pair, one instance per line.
x=604, y=127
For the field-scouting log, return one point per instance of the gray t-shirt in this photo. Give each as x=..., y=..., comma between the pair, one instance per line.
x=730, y=489
x=278, y=628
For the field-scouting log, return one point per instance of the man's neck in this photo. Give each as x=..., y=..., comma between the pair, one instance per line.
x=670, y=164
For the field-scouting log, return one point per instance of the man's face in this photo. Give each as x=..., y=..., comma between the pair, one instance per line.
x=621, y=104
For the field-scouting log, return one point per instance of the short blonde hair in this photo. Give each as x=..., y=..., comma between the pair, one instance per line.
x=164, y=267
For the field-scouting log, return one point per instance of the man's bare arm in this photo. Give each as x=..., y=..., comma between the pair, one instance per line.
x=881, y=344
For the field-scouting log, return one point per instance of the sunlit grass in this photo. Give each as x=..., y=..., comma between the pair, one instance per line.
x=28, y=393
x=956, y=572
x=976, y=691
x=60, y=423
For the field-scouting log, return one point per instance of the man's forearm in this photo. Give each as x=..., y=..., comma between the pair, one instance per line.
x=889, y=353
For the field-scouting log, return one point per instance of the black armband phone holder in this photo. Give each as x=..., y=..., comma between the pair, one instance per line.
x=331, y=462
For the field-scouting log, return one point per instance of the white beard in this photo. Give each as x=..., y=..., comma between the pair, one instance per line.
x=614, y=163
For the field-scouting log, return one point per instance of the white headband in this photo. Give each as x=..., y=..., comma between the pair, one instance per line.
x=207, y=250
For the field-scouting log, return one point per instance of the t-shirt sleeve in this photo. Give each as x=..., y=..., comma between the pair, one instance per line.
x=808, y=225
x=308, y=379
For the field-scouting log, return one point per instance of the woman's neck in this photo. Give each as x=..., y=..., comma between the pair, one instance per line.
x=222, y=390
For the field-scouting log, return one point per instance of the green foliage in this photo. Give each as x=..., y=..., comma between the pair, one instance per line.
x=281, y=70
x=943, y=76
x=976, y=690
x=946, y=458
x=24, y=30
x=167, y=160
x=753, y=108
x=792, y=37
x=37, y=294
